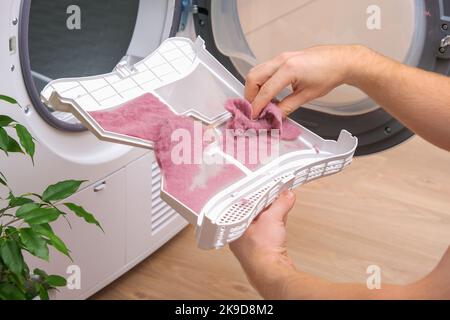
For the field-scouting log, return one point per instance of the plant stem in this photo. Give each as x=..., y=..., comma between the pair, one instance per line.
x=2, y=211
x=7, y=215
x=63, y=214
x=11, y=222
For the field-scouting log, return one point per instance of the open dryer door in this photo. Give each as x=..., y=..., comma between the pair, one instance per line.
x=242, y=33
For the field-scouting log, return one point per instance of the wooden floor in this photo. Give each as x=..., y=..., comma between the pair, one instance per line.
x=390, y=209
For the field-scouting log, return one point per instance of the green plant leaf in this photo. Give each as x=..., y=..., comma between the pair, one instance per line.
x=8, y=99
x=25, y=209
x=41, y=215
x=19, y=201
x=12, y=257
x=82, y=213
x=43, y=229
x=13, y=146
x=55, y=241
x=34, y=243
x=40, y=273
x=43, y=293
x=10, y=292
x=56, y=281
x=17, y=280
x=61, y=190
x=59, y=245
x=4, y=140
x=26, y=140
x=11, y=231
x=5, y=121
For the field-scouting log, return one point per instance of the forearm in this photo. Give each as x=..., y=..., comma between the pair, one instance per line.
x=417, y=98
x=276, y=278
x=307, y=287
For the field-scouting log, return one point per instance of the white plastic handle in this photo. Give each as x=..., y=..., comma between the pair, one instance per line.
x=100, y=187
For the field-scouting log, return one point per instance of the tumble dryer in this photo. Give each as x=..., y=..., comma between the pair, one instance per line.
x=45, y=40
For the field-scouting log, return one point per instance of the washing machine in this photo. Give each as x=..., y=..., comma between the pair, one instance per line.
x=45, y=40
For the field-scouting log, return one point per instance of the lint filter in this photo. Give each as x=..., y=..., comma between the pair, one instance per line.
x=221, y=192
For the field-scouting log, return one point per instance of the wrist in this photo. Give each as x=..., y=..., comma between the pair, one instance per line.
x=360, y=60
x=370, y=69
x=270, y=271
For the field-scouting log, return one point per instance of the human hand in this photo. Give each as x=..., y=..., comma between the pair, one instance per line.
x=312, y=73
x=262, y=250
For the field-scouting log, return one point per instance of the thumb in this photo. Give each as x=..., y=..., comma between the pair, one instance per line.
x=280, y=208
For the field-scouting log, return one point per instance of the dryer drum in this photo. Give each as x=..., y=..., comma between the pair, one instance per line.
x=61, y=39
x=317, y=22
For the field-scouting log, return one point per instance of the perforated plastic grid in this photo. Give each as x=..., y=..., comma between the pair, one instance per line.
x=235, y=220
x=166, y=64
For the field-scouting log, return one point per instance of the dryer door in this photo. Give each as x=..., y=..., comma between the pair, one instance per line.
x=242, y=33
x=62, y=39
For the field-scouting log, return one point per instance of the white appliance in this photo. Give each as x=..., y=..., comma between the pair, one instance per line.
x=45, y=40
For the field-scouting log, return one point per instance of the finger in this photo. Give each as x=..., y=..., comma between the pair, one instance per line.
x=257, y=77
x=295, y=101
x=280, y=208
x=261, y=73
x=279, y=81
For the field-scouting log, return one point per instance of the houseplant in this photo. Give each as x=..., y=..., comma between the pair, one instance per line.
x=25, y=222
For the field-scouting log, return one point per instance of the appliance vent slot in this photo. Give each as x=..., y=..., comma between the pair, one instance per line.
x=162, y=213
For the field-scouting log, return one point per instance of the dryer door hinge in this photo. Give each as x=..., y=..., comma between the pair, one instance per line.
x=444, y=48
x=445, y=42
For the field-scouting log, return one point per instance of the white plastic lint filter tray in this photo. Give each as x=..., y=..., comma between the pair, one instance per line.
x=190, y=81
